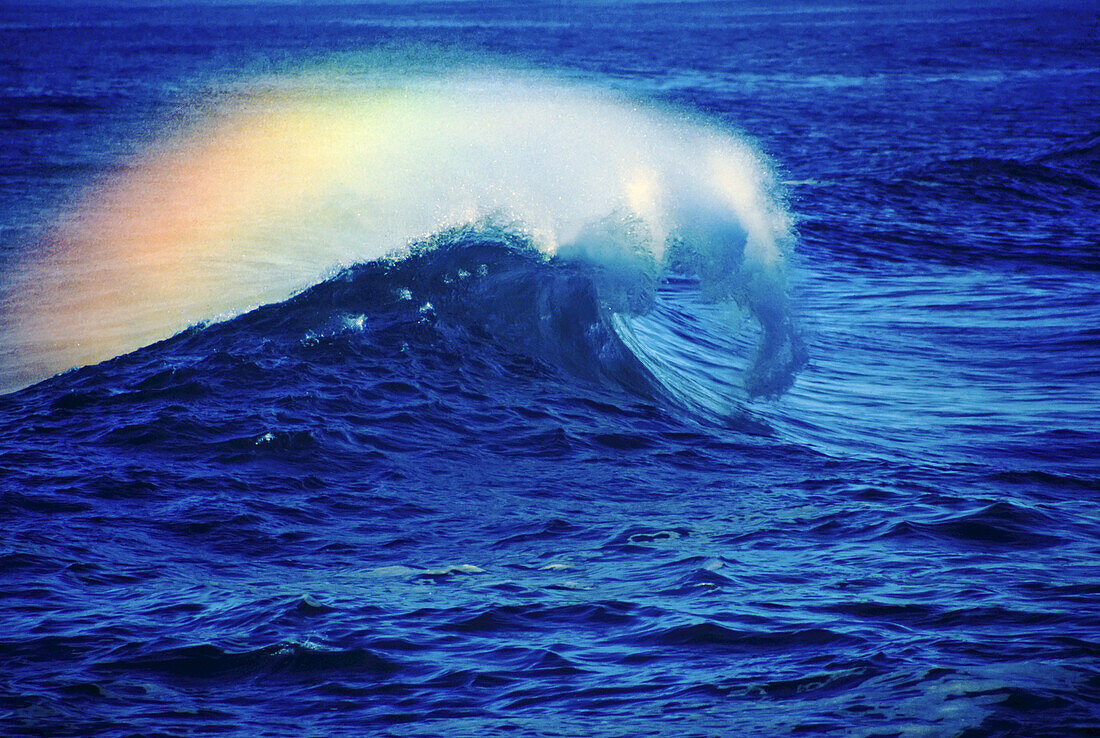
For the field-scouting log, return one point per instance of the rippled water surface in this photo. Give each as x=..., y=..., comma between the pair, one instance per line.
x=798, y=434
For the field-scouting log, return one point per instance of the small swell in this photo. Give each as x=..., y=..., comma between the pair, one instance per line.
x=520, y=618
x=1000, y=525
x=710, y=635
x=290, y=661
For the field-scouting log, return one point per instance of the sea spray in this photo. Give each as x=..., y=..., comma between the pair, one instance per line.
x=286, y=184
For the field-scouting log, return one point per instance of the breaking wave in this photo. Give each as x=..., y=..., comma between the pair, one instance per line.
x=649, y=224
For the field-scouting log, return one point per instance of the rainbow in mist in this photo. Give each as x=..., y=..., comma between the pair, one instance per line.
x=301, y=176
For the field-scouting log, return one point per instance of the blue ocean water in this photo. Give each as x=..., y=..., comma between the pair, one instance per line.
x=844, y=484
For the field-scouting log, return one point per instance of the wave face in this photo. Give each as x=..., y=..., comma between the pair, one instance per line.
x=299, y=177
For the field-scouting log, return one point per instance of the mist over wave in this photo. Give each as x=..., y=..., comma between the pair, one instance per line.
x=290, y=179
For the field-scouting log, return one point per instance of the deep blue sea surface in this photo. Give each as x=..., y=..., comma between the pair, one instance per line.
x=748, y=382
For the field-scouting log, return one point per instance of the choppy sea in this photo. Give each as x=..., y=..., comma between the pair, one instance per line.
x=550, y=369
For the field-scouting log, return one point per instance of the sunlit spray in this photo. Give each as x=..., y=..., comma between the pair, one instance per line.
x=303, y=175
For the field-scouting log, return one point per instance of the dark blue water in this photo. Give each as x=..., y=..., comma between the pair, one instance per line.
x=469, y=489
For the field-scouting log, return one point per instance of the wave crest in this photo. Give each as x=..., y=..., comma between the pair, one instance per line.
x=278, y=191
